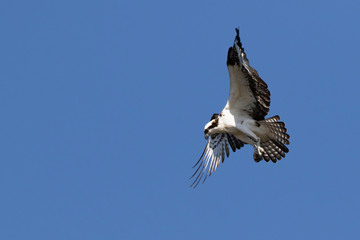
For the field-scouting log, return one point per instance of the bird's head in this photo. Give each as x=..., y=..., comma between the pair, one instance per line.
x=214, y=121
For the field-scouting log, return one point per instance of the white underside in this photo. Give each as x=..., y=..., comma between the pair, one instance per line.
x=240, y=125
x=234, y=118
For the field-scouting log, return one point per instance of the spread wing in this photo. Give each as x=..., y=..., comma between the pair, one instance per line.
x=249, y=94
x=214, y=153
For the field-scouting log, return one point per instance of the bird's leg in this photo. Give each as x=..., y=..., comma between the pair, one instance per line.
x=258, y=151
x=258, y=148
x=255, y=141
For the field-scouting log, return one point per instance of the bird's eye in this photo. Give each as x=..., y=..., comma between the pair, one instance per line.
x=215, y=115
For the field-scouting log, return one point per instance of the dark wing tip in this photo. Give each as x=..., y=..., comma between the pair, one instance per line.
x=237, y=39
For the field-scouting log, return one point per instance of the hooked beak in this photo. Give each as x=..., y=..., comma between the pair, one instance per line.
x=206, y=131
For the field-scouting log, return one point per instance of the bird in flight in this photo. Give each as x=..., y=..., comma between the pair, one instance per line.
x=242, y=121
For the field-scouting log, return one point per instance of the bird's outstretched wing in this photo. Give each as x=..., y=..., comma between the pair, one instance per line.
x=214, y=153
x=249, y=94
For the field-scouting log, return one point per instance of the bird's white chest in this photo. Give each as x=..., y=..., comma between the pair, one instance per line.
x=233, y=125
x=227, y=121
x=239, y=126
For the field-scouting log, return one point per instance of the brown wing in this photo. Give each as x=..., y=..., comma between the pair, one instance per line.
x=249, y=94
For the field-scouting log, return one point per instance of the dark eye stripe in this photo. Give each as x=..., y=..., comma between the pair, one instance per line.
x=214, y=124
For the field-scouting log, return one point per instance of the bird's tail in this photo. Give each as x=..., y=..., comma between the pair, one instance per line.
x=274, y=148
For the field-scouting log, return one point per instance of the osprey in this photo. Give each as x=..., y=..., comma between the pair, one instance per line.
x=242, y=121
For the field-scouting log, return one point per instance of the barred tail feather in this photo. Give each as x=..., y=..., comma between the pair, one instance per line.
x=274, y=148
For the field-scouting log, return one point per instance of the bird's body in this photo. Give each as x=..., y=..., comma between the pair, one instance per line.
x=242, y=121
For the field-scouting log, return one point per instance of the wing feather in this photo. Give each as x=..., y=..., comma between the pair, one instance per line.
x=249, y=94
x=214, y=153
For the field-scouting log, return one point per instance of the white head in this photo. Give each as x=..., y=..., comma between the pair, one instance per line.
x=214, y=121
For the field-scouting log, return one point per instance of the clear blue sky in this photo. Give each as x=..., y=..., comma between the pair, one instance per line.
x=103, y=105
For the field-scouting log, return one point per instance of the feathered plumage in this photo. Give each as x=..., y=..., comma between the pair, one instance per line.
x=242, y=121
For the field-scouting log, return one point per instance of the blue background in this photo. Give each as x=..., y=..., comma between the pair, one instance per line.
x=103, y=105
